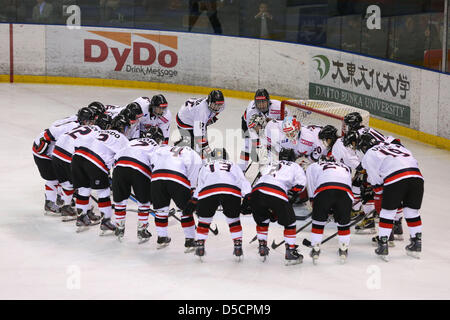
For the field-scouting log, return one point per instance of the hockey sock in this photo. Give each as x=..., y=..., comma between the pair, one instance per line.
x=143, y=212
x=51, y=191
x=203, y=228
x=235, y=228
x=120, y=211
x=289, y=234
x=343, y=233
x=262, y=229
x=317, y=232
x=413, y=221
x=67, y=192
x=399, y=214
x=104, y=202
x=386, y=222
x=161, y=221
x=188, y=224
x=82, y=199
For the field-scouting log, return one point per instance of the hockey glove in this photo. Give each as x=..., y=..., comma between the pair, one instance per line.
x=245, y=206
x=191, y=206
x=367, y=193
x=43, y=145
x=211, y=121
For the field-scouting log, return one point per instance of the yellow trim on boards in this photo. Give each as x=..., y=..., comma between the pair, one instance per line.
x=439, y=142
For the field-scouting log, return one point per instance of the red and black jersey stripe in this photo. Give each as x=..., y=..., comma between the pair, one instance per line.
x=36, y=152
x=335, y=186
x=48, y=135
x=402, y=174
x=164, y=174
x=62, y=154
x=183, y=125
x=135, y=164
x=271, y=189
x=220, y=188
x=93, y=157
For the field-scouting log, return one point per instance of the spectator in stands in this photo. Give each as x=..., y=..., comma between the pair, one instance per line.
x=210, y=6
x=42, y=12
x=12, y=11
x=264, y=23
x=108, y=9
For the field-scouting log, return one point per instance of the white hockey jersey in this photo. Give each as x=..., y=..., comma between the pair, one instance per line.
x=195, y=115
x=137, y=155
x=221, y=177
x=65, y=145
x=51, y=135
x=389, y=163
x=274, y=111
x=100, y=147
x=178, y=164
x=328, y=175
x=163, y=122
x=279, y=177
x=345, y=155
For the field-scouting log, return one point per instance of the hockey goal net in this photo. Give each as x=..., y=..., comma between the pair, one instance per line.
x=321, y=113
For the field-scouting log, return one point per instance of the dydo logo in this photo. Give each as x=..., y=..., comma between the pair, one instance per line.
x=143, y=54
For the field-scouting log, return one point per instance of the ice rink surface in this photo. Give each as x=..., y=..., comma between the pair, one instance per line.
x=43, y=258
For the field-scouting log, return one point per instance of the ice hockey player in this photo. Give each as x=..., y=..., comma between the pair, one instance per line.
x=174, y=176
x=393, y=167
x=91, y=163
x=133, y=170
x=329, y=190
x=62, y=158
x=134, y=113
x=220, y=182
x=158, y=115
x=328, y=136
x=270, y=193
x=193, y=119
x=260, y=110
x=42, y=149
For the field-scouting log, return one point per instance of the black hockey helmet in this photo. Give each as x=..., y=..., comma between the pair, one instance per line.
x=218, y=154
x=103, y=121
x=351, y=137
x=158, y=105
x=216, y=101
x=98, y=107
x=287, y=154
x=328, y=132
x=120, y=123
x=262, y=100
x=154, y=133
x=353, y=121
x=366, y=141
x=85, y=115
x=135, y=111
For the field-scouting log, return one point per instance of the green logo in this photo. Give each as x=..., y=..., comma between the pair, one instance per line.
x=323, y=65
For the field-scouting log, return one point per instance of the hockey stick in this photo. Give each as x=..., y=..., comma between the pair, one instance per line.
x=132, y=210
x=275, y=245
x=307, y=243
x=172, y=213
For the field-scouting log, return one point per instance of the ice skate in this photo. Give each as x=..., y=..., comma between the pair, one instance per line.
x=355, y=214
x=237, y=251
x=120, y=230
x=51, y=209
x=292, y=256
x=83, y=222
x=391, y=242
x=189, y=245
x=142, y=233
x=415, y=247
x=397, y=229
x=315, y=252
x=68, y=213
x=383, y=248
x=59, y=201
x=200, y=249
x=263, y=250
x=93, y=217
x=367, y=226
x=107, y=227
x=162, y=242
x=343, y=252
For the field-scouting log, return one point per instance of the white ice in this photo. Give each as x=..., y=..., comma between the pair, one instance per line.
x=43, y=258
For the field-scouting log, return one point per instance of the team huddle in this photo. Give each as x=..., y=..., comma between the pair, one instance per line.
x=123, y=152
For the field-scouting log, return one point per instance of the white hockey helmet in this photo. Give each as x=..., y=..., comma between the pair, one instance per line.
x=291, y=128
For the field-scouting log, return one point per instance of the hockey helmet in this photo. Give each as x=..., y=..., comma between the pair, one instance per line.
x=352, y=121
x=328, y=132
x=120, y=123
x=85, y=115
x=366, y=141
x=158, y=104
x=262, y=100
x=287, y=154
x=155, y=133
x=98, y=107
x=216, y=101
x=291, y=128
x=135, y=111
x=351, y=139
x=103, y=121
